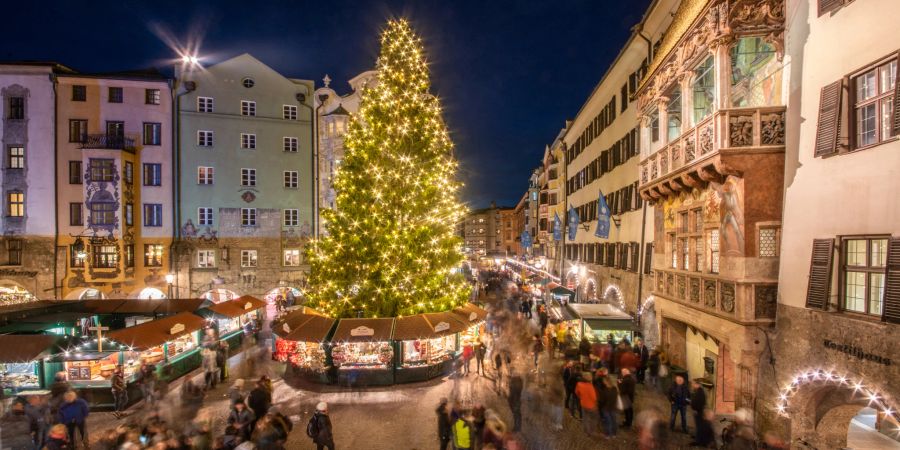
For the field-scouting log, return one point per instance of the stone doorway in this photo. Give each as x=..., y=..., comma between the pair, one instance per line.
x=649, y=323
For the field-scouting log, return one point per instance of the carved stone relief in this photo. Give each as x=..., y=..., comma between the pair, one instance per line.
x=772, y=129
x=765, y=301
x=695, y=290
x=740, y=131
x=689, y=149
x=706, y=137
x=726, y=292
x=682, y=294
x=709, y=293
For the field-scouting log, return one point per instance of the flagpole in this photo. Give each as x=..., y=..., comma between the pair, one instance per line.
x=565, y=196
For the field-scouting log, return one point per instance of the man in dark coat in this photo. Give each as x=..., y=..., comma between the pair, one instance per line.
x=626, y=390
x=570, y=380
x=698, y=404
x=15, y=428
x=324, y=437
x=643, y=354
x=259, y=400
x=515, y=400
x=679, y=397
x=242, y=419
x=444, y=430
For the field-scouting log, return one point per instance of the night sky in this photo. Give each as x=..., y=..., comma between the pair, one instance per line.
x=508, y=72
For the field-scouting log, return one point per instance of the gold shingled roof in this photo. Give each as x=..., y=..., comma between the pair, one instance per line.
x=687, y=13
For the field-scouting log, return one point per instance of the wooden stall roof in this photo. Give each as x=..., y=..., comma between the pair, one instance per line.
x=138, y=306
x=412, y=327
x=55, y=317
x=364, y=330
x=470, y=314
x=157, y=332
x=301, y=327
x=16, y=348
x=454, y=325
x=236, y=307
x=100, y=306
x=177, y=305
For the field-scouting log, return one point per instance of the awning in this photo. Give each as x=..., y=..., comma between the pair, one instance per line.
x=15, y=348
x=138, y=307
x=233, y=308
x=559, y=290
x=470, y=314
x=158, y=332
x=453, y=323
x=544, y=282
x=302, y=327
x=177, y=305
x=552, y=285
x=611, y=324
x=100, y=306
x=363, y=330
x=561, y=312
x=53, y=319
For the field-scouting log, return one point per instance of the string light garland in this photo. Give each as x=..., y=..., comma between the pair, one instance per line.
x=391, y=245
x=875, y=400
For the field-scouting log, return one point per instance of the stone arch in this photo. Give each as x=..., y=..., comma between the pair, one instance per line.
x=613, y=296
x=219, y=295
x=648, y=322
x=86, y=294
x=150, y=293
x=13, y=293
x=288, y=292
x=590, y=291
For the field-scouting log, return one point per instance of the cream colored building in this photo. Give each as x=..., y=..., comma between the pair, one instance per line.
x=839, y=283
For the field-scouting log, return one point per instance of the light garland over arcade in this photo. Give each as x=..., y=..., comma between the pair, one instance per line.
x=874, y=399
x=391, y=245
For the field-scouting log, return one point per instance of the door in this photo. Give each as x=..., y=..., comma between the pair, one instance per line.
x=115, y=134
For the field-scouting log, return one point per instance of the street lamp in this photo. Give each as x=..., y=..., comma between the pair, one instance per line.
x=170, y=278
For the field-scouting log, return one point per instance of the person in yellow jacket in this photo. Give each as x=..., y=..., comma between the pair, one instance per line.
x=462, y=433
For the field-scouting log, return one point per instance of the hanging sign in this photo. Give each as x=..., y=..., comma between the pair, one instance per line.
x=442, y=326
x=248, y=305
x=286, y=328
x=473, y=317
x=557, y=227
x=362, y=331
x=573, y=223
x=602, y=218
x=177, y=328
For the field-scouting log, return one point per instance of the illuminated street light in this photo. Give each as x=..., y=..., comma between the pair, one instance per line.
x=190, y=59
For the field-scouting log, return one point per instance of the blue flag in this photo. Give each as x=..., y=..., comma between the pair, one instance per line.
x=602, y=218
x=526, y=239
x=557, y=227
x=573, y=223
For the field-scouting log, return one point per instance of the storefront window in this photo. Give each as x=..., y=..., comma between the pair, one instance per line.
x=19, y=376
x=304, y=355
x=363, y=355
x=755, y=73
x=704, y=89
x=99, y=369
x=673, y=112
x=428, y=351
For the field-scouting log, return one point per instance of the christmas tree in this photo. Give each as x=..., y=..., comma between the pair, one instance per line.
x=391, y=247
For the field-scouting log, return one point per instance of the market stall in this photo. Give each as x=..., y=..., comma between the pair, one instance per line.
x=426, y=345
x=362, y=351
x=127, y=313
x=473, y=318
x=301, y=342
x=22, y=362
x=561, y=293
x=597, y=321
x=234, y=320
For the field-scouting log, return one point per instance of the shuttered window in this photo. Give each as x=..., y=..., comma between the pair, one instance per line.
x=635, y=257
x=820, y=274
x=648, y=258
x=829, y=119
x=826, y=6
x=891, y=309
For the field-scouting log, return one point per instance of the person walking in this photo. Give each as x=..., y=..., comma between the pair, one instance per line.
x=236, y=391
x=570, y=379
x=705, y=436
x=543, y=318
x=536, y=348
x=259, y=400
x=587, y=399
x=480, y=352
x=643, y=356
x=222, y=360
x=241, y=419
x=462, y=433
x=445, y=433
x=73, y=414
x=608, y=400
x=147, y=382
x=498, y=365
x=210, y=370
x=38, y=412
x=698, y=405
x=516, y=384
x=653, y=369
x=319, y=428
x=467, y=354
x=626, y=391
x=679, y=397
x=57, y=438
x=119, y=391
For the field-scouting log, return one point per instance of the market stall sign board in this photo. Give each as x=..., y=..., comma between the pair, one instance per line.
x=248, y=306
x=362, y=331
x=442, y=326
x=286, y=328
x=473, y=317
x=177, y=328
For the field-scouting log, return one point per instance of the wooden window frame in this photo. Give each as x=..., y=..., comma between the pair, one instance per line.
x=853, y=105
x=868, y=270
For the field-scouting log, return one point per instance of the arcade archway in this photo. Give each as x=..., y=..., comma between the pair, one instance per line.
x=151, y=293
x=219, y=295
x=613, y=296
x=649, y=323
x=590, y=291
x=290, y=296
x=13, y=294
x=86, y=294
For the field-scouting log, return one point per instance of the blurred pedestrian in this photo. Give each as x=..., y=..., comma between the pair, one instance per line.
x=444, y=425
x=73, y=414
x=119, y=391
x=679, y=398
x=319, y=428
x=608, y=400
x=242, y=419
x=643, y=354
x=463, y=433
x=480, y=352
x=653, y=369
x=259, y=400
x=39, y=419
x=147, y=383
x=627, y=392
x=58, y=438
x=587, y=399
x=516, y=384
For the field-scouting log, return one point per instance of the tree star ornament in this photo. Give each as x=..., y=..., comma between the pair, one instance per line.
x=391, y=241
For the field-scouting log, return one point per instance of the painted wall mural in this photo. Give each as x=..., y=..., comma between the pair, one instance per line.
x=729, y=200
x=102, y=198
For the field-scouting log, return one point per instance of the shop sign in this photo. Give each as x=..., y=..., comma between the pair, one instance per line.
x=18, y=273
x=248, y=305
x=442, y=326
x=473, y=317
x=856, y=352
x=177, y=328
x=362, y=331
x=286, y=328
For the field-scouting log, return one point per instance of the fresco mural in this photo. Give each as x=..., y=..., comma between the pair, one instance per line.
x=729, y=200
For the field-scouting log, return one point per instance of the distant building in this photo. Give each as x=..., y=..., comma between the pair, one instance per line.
x=115, y=204
x=247, y=186
x=488, y=232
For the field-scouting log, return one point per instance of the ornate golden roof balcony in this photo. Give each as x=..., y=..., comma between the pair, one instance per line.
x=705, y=152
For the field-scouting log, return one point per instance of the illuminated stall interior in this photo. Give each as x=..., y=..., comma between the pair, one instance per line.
x=363, y=344
x=301, y=340
x=231, y=316
x=427, y=339
x=160, y=341
x=473, y=317
x=598, y=321
x=21, y=361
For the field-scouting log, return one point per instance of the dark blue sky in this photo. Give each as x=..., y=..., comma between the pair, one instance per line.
x=508, y=72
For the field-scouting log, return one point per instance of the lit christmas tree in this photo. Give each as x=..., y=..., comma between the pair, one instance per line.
x=391, y=247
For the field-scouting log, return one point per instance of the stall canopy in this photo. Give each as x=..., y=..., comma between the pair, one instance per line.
x=16, y=348
x=469, y=314
x=233, y=308
x=302, y=327
x=602, y=316
x=158, y=332
x=552, y=285
x=559, y=290
x=363, y=330
x=100, y=306
x=425, y=326
x=445, y=323
x=159, y=307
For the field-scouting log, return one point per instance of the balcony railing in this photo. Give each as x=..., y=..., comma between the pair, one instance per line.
x=737, y=300
x=108, y=141
x=726, y=130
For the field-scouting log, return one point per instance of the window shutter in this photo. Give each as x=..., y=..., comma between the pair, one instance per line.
x=895, y=119
x=820, y=274
x=648, y=257
x=891, y=307
x=829, y=119
x=635, y=256
x=828, y=5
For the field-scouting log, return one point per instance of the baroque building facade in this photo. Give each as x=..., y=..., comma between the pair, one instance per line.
x=712, y=109
x=839, y=285
x=246, y=197
x=114, y=184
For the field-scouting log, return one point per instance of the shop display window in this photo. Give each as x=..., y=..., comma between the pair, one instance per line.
x=305, y=355
x=363, y=355
x=428, y=351
x=182, y=344
x=99, y=369
x=602, y=335
x=471, y=334
x=19, y=376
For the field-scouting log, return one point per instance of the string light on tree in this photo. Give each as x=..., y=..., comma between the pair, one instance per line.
x=391, y=241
